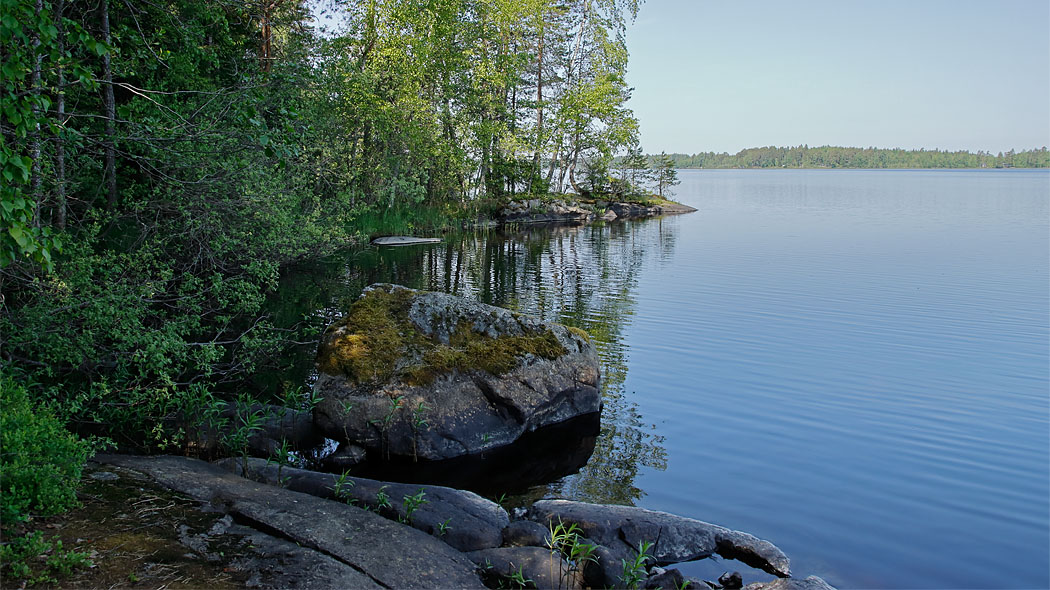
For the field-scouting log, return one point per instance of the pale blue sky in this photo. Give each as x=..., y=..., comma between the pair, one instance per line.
x=719, y=75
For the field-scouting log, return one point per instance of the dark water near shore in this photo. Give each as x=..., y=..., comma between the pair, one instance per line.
x=852, y=364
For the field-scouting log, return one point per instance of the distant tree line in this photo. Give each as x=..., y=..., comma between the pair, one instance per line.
x=804, y=156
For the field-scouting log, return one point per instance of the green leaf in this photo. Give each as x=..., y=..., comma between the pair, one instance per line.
x=20, y=238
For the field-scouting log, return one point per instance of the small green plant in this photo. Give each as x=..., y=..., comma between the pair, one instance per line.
x=635, y=569
x=283, y=456
x=387, y=419
x=419, y=422
x=342, y=486
x=567, y=547
x=519, y=580
x=21, y=558
x=443, y=527
x=248, y=421
x=412, y=503
x=382, y=498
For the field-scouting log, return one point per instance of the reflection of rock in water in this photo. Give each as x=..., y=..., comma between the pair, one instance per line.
x=538, y=457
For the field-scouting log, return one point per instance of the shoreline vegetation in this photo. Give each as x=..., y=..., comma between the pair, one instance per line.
x=804, y=156
x=164, y=163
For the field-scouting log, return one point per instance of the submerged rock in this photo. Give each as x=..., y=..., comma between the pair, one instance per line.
x=676, y=538
x=433, y=376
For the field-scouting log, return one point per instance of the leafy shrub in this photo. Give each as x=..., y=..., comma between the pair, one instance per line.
x=40, y=461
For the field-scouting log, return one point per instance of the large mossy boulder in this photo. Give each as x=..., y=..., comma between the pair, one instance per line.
x=433, y=376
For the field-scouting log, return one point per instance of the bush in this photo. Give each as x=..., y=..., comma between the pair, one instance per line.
x=40, y=461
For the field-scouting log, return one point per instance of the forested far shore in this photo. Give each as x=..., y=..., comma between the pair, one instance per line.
x=850, y=157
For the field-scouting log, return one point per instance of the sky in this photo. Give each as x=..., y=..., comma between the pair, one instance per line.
x=722, y=75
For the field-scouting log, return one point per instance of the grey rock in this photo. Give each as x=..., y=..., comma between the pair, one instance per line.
x=810, y=583
x=345, y=457
x=462, y=519
x=544, y=568
x=607, y=567
x=676, y=538
x=465, y=412
x=525, y=533
x=731, y=581
x=362, y=540
x=278, y=563
x=666, y=579
x=103, y=476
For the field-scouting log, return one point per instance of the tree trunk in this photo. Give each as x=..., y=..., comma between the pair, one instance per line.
x=59, y=217
x=111, y=113
x=539, y=108
x=34, y=141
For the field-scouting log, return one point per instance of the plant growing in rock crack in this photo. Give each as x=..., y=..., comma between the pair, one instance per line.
x=341, y=487
x=412, y=503
x=384, y=423
x=566, y=547
x=519, y=580
x=634, y=570
x=382, y=498
x=443, y=527
x=282, y=456
x=419, y=422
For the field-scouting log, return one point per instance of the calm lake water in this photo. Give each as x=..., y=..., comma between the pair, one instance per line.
x=850, y=364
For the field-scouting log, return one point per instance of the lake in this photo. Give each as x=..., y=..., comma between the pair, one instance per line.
x=852, y=364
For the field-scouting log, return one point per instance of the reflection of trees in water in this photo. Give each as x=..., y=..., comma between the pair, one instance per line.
x=580, y=276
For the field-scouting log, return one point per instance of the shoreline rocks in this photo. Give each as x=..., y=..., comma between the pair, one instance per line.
x=579, y=212
x=676, y=538
x=379, y=546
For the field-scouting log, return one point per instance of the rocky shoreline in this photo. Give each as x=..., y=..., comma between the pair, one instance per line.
x=584, y=211
x=293, y=527
x=412, y=379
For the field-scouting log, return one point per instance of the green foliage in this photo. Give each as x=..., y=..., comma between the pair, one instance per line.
x=411, y=503
x=40, y=462
x=567, y=547
x=382, y=498
x=141, y=237
x=20, y=558
x=342, y=486
x=634, y=570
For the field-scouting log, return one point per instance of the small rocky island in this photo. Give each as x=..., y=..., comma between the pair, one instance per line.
x=410, y=376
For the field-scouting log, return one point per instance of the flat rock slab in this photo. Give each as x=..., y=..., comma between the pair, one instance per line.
x=676, y=538
x=389, y=554
x=404, y=241
x=462, y=519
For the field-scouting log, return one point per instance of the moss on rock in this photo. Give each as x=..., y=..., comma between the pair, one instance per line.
x=367, y=345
